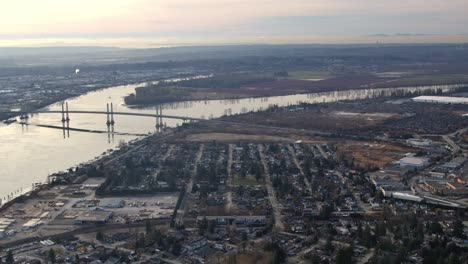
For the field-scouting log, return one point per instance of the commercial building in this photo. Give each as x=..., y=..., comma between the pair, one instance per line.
x=93, y=217
x=113, y=203
x=454, y=164
x=441, y=99
x=417, y=142
x=411, y=161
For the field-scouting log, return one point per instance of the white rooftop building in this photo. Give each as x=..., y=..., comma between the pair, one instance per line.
x=441, y=99
x=413, y=162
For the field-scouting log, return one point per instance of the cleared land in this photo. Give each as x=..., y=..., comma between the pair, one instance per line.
x=371, y=154
x=230, y=137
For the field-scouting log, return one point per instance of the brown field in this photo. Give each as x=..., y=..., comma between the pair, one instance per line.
x=208, y=132
x=230, y=137
x=371, y=154
x=316, y=119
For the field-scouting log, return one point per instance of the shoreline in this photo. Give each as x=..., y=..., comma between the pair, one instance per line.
x=131, y=145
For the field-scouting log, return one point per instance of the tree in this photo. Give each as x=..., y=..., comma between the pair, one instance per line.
x=51, y=255
x=367, y=237
x=148, y=227
x=176, y=248
x=279, y=256
x=77, y=259
x=9, y=257
x=329, y=245
x=99, y=236
x=458, y=229
x=315, y=259
x=244, y=236
x=453, y=259
x=436, y=228
x=344, y=256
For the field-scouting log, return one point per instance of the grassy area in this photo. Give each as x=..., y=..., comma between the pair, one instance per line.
x=248, y=180
x=306, y=75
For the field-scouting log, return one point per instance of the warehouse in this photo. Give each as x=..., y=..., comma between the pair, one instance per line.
x=440, y=99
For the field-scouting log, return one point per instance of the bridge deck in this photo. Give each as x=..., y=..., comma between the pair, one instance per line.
x=105, y=113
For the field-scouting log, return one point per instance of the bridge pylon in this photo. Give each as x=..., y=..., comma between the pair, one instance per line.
x=110, y=115
x=112, y=122
x=63, y=112
x=108, y=123
x=67, y=118
x=159, y=119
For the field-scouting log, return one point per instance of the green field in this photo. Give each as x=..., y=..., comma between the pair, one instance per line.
x=306, y=75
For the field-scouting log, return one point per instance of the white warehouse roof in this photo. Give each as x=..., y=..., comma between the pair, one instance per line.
x=441, y=99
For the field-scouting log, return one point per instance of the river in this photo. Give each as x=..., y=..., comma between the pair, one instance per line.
x=30, y=153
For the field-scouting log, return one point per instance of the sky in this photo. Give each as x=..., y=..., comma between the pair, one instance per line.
x=152, y=23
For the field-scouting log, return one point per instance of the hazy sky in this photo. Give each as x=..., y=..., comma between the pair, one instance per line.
x=140, y=23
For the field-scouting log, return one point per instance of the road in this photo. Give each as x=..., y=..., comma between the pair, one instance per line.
x=271, y=192
x=455, y=147
x=363, y=206
x=188, y=187
x=229, y=204
x=83, y=230
x=299, y=167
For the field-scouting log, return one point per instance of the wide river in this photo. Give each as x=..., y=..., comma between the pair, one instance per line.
x=28, y=154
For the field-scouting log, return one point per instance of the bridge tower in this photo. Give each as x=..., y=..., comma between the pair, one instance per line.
x=160, y=117
x=159, y=121
x=63, y=113
x=67, y=118
x=108, y=116
x=157, y=118
x=112, y=122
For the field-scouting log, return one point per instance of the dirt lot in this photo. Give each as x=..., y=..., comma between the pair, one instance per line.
x=208, y=132
x=371, y=154
x=316, y=119
x=230, y=137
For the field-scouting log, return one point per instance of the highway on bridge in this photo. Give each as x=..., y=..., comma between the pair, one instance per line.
x=106, y=113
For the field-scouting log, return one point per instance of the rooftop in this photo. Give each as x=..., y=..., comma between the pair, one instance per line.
x=441, y=99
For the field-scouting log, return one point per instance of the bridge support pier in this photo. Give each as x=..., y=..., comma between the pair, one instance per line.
x=67, y=118
x=159, y=120
x=65, y=112
x=110, y=115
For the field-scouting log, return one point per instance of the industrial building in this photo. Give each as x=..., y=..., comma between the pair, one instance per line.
x=441, y=99
x=413, y=162
x=93, y=217
x=4, y=224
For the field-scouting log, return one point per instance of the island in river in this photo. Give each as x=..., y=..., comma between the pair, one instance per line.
x=246, y=85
